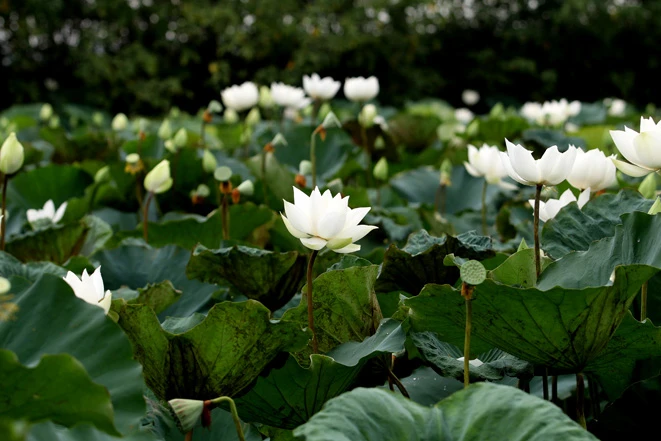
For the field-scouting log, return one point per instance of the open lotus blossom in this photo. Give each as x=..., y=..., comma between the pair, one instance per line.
x=90, y=288
x=485, y=163
x=361, y=89
x=642, y=150
x=592, y=169
x=548, y=209
x=48, y=214
x=320, y=88
x=551, y=169
x=240, y=98
x=552, y=113
x=285, y=95
x=325, y=221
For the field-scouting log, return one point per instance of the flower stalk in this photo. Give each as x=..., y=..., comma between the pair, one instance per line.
x=235, y=415
x=580, y=400
x=224, y=211
x=321, y=130
x=315, y=343
x=145, y=216
x=485, y=231
x=538, y=194
x=3, y=223
x=467, y=294
x=643, y=302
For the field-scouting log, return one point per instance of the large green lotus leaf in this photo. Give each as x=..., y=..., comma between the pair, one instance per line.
x=137, y=265
x=11, y=266
x=345, y=308
x=57, y=182
x=560, y=328
x=56, y=244
x=269, y=277
x=426, y=387
x=574, y=230
x=219, y=356
x=519, y=269
x=636, y=241
x=396, y=222
x=288, y=396
x=57, y=389
x=545, y=138
x=158, y=296
x=49, y=319
x=443, y=358
x=617, y=367
x=483, y=411
x=421, y=261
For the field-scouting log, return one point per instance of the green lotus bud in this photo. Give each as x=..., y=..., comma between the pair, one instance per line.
x=324, y=110
x=186, y=413
x=222, y=173
x=54, y=122
x=230, y=116
x=165, y=130
x=335, y=186
x=170, y=146
x=209, y=162
x=158, y=180
x=446, y=173
x=253, y=117
x=278, y=139
x=330, y=120
x=381, y=169
x=119, y=122
x=103, y=174
x=656, y=207
x=246, y=188
x=45, y=112
x=97, y=119
x=5, y=285
x=379, y=143
x=648, y=187
x=367, y=115
x=214, y=106
x=265, y=98
x=11, y=155
x=181, y=138
x=305, y=168
x=175, y=112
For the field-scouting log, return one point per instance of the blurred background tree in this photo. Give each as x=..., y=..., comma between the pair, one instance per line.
x=144, y=56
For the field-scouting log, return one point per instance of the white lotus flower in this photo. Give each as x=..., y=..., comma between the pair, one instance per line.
x=642, y=150
x=158, y=180
x=592, y=169
x=320, y=88
x=617, y=107
x=90, y=288
x=463, y=115
x=551, y=169
x=485, y=163
x=553, y=113
x=470, y=97
x=548, y=209
x=361, y=89
x=46, y=214
x=325, y=221
x=285, y=95
x=240, y=98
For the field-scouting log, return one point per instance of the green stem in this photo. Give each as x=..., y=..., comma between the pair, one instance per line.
x=315, y=111
x=643, y=302
x=264, y=184
x=315, y=344
x=3, y=223
x=545, y=383
x=466, y=293
x=145, y=216
x=235, y=415
x=224, y=211
x=485, y=231
x=580, y=400
x=392, y=378
x=594, y=397
x=313, y=159
x=554, y=389
x=538, y=194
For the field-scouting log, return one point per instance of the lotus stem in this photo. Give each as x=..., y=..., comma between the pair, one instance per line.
x=594, y=397
x=224, y=212
x=315, y=344
x=538, y=194
x=545, y=384
x=313, y=158
x=554, y=389
x=467, y=293
x=485, y=231
x=439, y=200
x=315, y=110
x=580, y=400
x=392, y=378
x=145, y=216
x=235, y=415
x=3, y=223
x=643, y=302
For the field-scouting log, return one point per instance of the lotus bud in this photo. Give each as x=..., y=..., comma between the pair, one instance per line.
x=335, y=186
x=165, y=130
x=278, y=139
x=97, y=119
x=381, y=169
x=175, y=112
x=379, y=143
x=367, y=115
x=11, y=155
x=186, y=413
x=446, y=173
x=231, y=116
x=214, y=106
x=158, y=180
x=222, y=173
x=648, y=187
x=656, y=207
x=246, y=188
x=253, y=118
x=330, y=120
x=170, y=146
x=305, y=168
x=209, y=162
x=119, y=122
x=102, y=175
x=5, y=285
x=265, y=97
x=180, y=138
x=54, y=122
x=45, y=112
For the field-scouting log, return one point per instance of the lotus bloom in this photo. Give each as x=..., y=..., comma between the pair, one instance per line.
x=642, y=149
x=320, y=88
x=485, y=163
x=325, y=221
x=119, y=122
x=548, y=209
x=90, y=288
x=11, y=155
x=617, y=107
x=552, y=113
x=158, y=180
x=46, y=215
x=361, y=89
x=464, y=115
x=551, y=169
x=470, y=97
x=285, y=95
x=240, y=98
x=592, y=169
